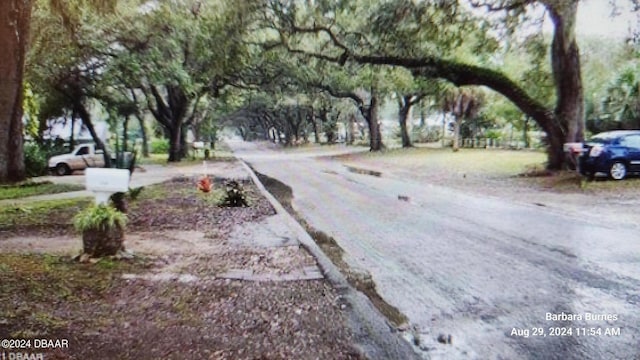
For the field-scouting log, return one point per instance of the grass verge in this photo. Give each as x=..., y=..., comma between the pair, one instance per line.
x=469, y=161
x=42, y=213
x=161, y=159
x=35, y=188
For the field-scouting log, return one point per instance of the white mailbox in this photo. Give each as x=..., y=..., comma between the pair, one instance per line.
x=105, y=182
x=573, y=147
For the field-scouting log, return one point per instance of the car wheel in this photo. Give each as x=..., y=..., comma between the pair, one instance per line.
x=62, y=169
x=618, y=170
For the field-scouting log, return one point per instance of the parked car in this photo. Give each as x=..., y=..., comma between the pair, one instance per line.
x=613, y=153
x=82, y=157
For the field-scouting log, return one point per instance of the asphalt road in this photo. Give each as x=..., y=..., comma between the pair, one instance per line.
x=506, y=280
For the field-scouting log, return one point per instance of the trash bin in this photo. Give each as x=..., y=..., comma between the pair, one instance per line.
x=123, y=160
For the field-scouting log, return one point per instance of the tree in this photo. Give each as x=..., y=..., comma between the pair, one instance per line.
x=463, y=104
x=361, y=85
x=433, y=31
x=15, y=16
x=621, y=106
x=408, y=92
x=179, y=56
x=67, y=59
x=405, y=103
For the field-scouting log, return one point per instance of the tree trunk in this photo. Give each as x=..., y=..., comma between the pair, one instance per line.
x=125, y=136
x=565, y=64
x=375, y=136
x=15, y=17
x=184, y=149
x=525, y=133
x=170, y=113
x=555, y=153
x=143, y=133
x=456, y=133
x=444, y=127
x=405, y=104
x=242, y=133
x=314, y=122
x=86, y=120
x=175, y=151
x=72, y=139
x=351, y=130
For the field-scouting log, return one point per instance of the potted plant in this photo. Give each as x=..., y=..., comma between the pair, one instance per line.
x=102, y=228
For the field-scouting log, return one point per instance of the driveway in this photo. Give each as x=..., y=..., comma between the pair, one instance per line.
x=506, y=280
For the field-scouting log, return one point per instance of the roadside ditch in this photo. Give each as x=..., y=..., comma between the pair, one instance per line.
x=361, y=281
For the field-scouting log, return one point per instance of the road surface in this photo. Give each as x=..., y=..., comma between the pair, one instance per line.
x=506, y=280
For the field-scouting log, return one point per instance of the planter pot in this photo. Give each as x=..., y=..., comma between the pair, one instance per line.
x=103, y=242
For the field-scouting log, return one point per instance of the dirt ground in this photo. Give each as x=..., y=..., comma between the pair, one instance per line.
x=178, y=297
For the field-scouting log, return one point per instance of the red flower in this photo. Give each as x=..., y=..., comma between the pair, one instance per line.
x=204, y=184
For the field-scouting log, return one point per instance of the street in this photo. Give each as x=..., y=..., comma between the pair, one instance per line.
x=505, y=280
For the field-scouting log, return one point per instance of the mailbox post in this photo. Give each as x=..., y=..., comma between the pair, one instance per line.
x=104, y=182
x=574, y=150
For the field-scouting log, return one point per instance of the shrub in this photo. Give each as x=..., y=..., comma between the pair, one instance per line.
x=159, y=146
x=36, y=155
x=235, y=196
x=35, y=160
x=493, y=134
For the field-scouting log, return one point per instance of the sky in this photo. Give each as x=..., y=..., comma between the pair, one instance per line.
x=594, y=18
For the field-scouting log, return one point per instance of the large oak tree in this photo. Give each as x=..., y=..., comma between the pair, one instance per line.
x=431, y=34
x=15, y=23
x=14, y=33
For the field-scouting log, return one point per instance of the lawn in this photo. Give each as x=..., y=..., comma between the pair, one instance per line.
x=35, y=188
x=488, y=162
x=487, y=171
x=53, y=214
x=221, y=153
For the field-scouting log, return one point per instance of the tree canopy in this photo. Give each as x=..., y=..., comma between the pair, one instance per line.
x=286, y=68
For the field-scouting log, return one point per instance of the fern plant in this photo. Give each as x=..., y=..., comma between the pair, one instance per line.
x=102, y=228
x=99, y=217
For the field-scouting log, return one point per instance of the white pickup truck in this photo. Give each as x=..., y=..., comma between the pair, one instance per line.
x=82, y=157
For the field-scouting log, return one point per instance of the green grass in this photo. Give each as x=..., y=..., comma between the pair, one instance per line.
x=470, y=161
x=161, y=159
x=631, y=183
x=527, y=166
x=153, y=159
x=571, y=181
x=49, y=212
x=32, y=189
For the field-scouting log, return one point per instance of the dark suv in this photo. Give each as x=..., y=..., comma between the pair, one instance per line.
x=614, y=153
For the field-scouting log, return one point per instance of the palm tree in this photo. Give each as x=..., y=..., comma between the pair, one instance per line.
x=621, y=106
x=463, y=104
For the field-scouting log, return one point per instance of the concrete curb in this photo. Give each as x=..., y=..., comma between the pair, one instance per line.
x=371, y=330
